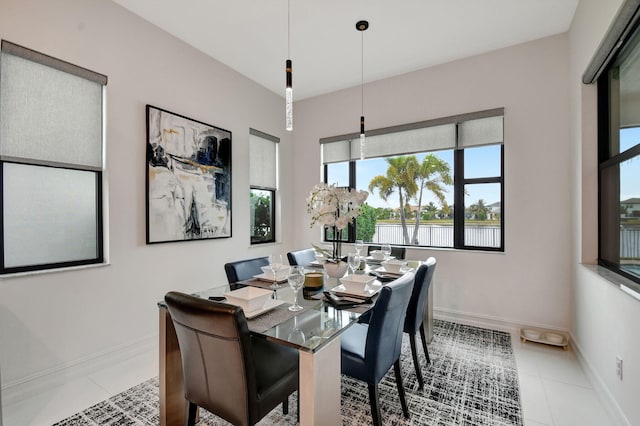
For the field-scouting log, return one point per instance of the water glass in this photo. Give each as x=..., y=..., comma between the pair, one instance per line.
x=386, y=249
x=275, y=264
x=353, y=260
x=359, y=247
x=296, y=281
x=296, y=335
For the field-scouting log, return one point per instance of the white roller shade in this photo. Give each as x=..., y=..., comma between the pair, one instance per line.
x=49, y=115
x=263, y=156
x=434, y=138
x=483, y=131
x=455, y=132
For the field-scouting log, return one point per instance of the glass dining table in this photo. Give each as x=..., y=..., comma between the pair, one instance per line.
x=314, y=331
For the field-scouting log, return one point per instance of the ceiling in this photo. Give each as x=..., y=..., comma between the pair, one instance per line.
x=250, y=36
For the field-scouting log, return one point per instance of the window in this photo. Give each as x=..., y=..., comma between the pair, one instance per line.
x=619, y=161
x=418, y=174
x=51, y=165
x=263, y=162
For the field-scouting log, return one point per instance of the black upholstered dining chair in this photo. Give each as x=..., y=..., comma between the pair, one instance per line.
x=227, y=371
x=244, y=269
x=414, y=320
x=397, y=252
x=301, y=257
x=368, y=350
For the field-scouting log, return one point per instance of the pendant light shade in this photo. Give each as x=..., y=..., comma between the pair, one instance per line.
x=288, y=96
x=288, y=92
x=362, y=27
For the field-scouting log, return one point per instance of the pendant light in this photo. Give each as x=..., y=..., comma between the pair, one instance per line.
x=288, y=94
x=362, y=27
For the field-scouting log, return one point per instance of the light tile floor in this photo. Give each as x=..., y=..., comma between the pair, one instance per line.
x=554, y=390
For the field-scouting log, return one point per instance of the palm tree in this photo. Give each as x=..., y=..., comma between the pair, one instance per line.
x=400, y=178
x=433, y=175
x=431, y=210
x=445, y=211
x=479, y=210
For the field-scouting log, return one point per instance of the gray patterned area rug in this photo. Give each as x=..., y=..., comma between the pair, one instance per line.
x=472, y=380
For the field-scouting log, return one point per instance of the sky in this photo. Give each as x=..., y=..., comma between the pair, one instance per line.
x=630, y=169
x=480, y=162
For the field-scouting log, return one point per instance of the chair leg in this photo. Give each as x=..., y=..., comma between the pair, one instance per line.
x=192, y=411
x=424, y=343
x=403, y=401
x=414, y=354
x=285, y=406
x=375, y=405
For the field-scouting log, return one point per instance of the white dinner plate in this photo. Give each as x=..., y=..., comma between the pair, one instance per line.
x=268, y=278
x=371, y=259
x=269, y=305
x=382, y=270
x=370, y=290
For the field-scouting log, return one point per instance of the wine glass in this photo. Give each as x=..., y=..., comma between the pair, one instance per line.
x=353, y=260
x=359, y=246
x=275, y=264
x=386, y=249
x=296, y=280
x=296, y=335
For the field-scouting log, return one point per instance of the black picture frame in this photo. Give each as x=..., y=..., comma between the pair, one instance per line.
x=188, y=179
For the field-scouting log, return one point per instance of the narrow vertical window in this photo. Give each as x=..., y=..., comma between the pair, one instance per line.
x=263, y=163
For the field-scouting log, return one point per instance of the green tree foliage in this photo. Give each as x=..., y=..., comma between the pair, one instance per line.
x=366, y=223
x=430, y=211
x=261, y=204
x=479, y=210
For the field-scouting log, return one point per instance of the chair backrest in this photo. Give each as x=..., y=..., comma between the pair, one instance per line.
x=397, y=252
x=218, y=368
x=301, y=257
x=418, y=301
x=244, y=269
x=384, y=335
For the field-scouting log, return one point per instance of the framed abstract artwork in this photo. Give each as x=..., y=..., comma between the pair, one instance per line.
x=188, y=180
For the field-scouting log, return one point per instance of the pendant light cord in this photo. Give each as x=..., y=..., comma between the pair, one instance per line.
x=288, y=28
x=362, y=72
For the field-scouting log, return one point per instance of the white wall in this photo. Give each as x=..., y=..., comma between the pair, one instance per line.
x=54, y=320
x=605, y=320
x=529, y=283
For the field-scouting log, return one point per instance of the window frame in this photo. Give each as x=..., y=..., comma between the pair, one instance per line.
x=459, y=180
x=607, y=160
x=99, y=172
x=272, y=213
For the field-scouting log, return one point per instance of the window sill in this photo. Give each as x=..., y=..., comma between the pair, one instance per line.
x=53, y=271
x=623, y=283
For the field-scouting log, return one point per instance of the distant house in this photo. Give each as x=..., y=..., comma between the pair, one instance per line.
x=630, y=207
x=495, y=211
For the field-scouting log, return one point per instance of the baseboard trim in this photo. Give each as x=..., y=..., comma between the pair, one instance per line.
x=606, y=397
x=486, y=321
x=41, y=381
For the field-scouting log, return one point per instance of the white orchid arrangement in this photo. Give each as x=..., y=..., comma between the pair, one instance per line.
x=334, y=207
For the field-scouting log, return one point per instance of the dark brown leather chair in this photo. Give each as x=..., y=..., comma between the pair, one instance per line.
x=227, y=371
